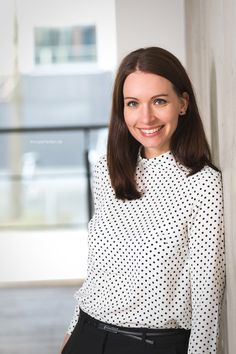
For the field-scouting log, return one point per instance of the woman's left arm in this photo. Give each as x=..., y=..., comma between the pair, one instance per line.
x=207, y=263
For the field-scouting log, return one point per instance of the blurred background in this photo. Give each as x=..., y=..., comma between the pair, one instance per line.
x=57, y=65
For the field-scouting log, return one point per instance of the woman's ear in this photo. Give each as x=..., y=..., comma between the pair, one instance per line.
x=185, y=98
x=184, y=103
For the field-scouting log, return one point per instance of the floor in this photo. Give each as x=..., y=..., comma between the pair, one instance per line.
x=34, y=320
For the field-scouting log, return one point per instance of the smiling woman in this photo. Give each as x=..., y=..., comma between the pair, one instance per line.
x=156, y=267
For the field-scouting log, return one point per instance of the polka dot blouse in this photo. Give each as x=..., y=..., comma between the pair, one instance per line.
x=158, y=261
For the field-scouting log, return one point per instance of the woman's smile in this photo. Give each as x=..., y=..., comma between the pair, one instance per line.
x=151, y=132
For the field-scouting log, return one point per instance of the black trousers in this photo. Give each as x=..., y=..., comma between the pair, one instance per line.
x=88, y=339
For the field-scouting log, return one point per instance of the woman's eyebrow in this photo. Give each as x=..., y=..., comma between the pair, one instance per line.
x=159, y=95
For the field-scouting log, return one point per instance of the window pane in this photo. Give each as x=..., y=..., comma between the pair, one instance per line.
x=65, y=45
x=43, y=178
x=78, y=99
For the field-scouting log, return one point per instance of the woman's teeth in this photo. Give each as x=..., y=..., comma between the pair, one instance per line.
x=151, y=131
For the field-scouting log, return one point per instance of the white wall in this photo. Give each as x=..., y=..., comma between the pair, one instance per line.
x=6, y=37
x=57, y=13
x=43, y=255
x=152, y=22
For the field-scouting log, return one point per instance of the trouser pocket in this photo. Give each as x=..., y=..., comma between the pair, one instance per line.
x=85, y=339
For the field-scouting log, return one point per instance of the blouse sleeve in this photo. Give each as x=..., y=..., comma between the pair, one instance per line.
x=207, y=263
x=96, y=197
x=96, y=183
x=74, y=320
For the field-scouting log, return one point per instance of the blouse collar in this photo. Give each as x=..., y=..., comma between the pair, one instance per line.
x=166, y=157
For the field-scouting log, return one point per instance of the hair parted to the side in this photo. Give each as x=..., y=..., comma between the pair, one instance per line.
x=188, y=143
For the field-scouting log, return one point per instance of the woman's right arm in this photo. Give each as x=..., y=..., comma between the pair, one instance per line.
x=71, y=327
x=67, y=336
x=96, y=194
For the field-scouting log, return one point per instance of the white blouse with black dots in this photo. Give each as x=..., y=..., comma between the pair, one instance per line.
x=158, y=261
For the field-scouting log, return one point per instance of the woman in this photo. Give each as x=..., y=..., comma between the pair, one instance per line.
x=156, y=266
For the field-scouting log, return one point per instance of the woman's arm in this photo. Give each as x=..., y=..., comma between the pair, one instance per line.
x=96, y=195
x=67, y=336
x=207, y=263
x=72, y=325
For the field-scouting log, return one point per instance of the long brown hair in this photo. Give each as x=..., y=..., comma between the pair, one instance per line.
x=188, y=143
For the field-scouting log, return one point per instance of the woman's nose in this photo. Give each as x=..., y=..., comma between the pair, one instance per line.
x=146, y=114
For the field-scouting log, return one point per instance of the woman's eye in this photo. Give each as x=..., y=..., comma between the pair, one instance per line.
x=132, y=104
x=159, y=101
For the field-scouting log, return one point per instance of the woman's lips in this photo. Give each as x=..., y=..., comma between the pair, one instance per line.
x=151, y=132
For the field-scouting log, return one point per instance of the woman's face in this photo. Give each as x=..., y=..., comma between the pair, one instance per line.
x=151, y=110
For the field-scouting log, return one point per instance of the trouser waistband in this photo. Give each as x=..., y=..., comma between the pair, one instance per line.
x=139, y=333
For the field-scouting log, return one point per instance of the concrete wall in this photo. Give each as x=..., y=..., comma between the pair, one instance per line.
x=211, y=58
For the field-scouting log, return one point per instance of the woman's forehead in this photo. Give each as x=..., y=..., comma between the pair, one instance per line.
x=139, y=82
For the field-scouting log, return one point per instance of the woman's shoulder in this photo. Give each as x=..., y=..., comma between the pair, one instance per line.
x=101, y=162
x=100, y=166
x=207, y=181
x=207, y=173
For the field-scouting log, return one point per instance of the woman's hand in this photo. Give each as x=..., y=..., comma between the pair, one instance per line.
x=67, y=336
